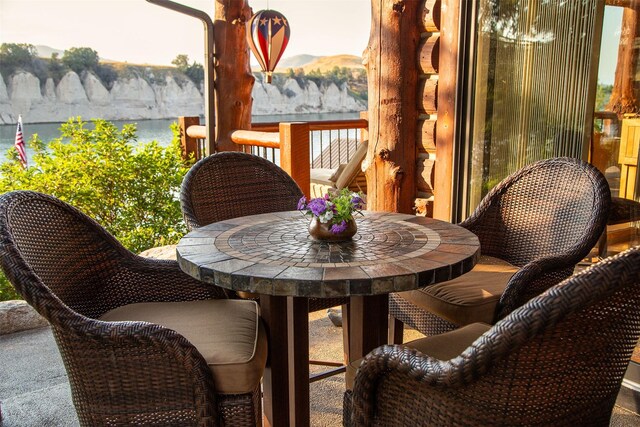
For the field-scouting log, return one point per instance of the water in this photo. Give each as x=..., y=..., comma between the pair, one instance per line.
x=147, y=130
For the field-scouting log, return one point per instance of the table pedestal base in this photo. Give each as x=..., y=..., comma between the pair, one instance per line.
x=286, y=379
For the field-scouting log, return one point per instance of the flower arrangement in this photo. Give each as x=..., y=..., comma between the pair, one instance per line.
x=336, y=208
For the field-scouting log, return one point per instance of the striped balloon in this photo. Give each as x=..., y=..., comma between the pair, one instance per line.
x=268, y=35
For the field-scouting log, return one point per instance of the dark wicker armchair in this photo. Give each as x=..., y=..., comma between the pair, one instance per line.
x=533, y=227
x=142, y=342
x=558, y=360
x=232, y=184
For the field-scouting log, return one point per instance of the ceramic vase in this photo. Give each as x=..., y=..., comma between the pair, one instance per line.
x=320, y=231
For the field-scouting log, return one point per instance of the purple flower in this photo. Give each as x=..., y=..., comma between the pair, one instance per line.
x=302, y=203
x=357, y=202
x=317, y=206
x=339, y=228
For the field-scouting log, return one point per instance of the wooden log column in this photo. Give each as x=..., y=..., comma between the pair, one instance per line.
x=391, y=64
x=233, y=78
x=446, y=101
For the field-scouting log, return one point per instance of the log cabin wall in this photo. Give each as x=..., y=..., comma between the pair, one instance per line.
x=391, y=61
x=428, y=77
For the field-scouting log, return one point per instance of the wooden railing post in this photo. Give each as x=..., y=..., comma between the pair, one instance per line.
x=189, y=145
x=294, y=153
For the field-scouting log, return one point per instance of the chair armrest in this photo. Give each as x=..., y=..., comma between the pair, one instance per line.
x=533, y=279
x=407, y=364
x=145, y=363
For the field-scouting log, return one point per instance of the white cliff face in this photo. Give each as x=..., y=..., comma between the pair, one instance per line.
x=50, y=90
x=5, y=105
x=134, y=98
x=295, y=99
x=95, y=90
x=4, y=96
x=71, y=91
x=184, y=98
x=24, y=92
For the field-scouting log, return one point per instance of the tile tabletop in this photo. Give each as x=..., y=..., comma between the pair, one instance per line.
x=274, y=254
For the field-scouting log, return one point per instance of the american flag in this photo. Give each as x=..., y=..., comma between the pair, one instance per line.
x=19, y=144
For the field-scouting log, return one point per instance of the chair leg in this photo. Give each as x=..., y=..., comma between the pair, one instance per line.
x=338, y=367
x=396, y=331
x=345, y=332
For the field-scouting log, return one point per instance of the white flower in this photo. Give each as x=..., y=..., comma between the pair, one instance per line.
x=326, y=216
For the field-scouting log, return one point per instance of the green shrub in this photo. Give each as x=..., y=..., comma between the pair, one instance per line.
x=81, y=59
x=14, y=56
x=194, y=71
x=131, y=189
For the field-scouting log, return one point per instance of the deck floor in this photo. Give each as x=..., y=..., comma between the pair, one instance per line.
x=34, y=390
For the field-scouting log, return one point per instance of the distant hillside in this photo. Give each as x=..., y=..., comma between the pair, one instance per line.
x=327, y=63
x=297, y=61
x=43, y=51
x=46, y=51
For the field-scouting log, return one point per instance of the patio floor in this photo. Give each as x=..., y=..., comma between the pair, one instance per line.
x=34, y=390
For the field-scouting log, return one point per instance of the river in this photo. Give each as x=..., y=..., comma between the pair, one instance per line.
x=147, y=130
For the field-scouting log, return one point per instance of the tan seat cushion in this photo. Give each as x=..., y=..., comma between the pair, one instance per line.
x=228, y=334
x=469, y=298
x=444, y=346
x=323, y=176
x=334, y=177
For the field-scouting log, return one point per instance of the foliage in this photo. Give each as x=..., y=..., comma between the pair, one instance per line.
x=603, y=94
x=7, y=292
x=336, y=208
x=107, y=75
x=14, y=56
x=194, y=71
x=81, y=59
x=57, y=69
x=129, y=188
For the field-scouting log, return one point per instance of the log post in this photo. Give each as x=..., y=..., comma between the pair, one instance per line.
x=294, y=154
x=623, y=99
x=391, y=64
x=448, y=63
x=233, y=78
x=189, y=145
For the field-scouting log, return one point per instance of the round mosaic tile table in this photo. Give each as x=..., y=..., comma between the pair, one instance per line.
x=273, y=255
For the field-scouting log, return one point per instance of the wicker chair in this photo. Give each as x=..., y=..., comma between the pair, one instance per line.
x=232, y=184
x=123, y=367
x=558, y=360
x=533, y=227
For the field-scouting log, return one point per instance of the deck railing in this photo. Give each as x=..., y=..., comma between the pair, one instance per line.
x=296, y=147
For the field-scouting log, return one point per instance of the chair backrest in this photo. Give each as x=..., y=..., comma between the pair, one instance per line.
x=231, y=184
x=554, y=206
x=557, y=360
x=56, y=257
x=566, y=351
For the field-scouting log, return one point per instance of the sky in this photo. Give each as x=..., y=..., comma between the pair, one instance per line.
x=139, y=32
x=609, y=42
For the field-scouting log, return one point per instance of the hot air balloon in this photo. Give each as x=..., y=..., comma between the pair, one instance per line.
x=268, y=35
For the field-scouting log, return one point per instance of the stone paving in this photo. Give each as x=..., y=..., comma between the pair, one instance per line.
x=35, y=393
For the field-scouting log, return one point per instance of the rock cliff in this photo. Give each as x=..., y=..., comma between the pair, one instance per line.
x=142, y=97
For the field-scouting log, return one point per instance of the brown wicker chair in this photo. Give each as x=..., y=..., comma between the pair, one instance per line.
x=558, y=360
x=129, y=371
x=232, y=184
x=533, y=227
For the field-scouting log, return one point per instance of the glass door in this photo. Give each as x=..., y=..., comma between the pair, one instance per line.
x=531, y=87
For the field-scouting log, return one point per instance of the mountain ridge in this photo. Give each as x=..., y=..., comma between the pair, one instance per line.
x=305, y=61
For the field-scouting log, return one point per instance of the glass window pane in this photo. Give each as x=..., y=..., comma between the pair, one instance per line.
x=532, y=74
